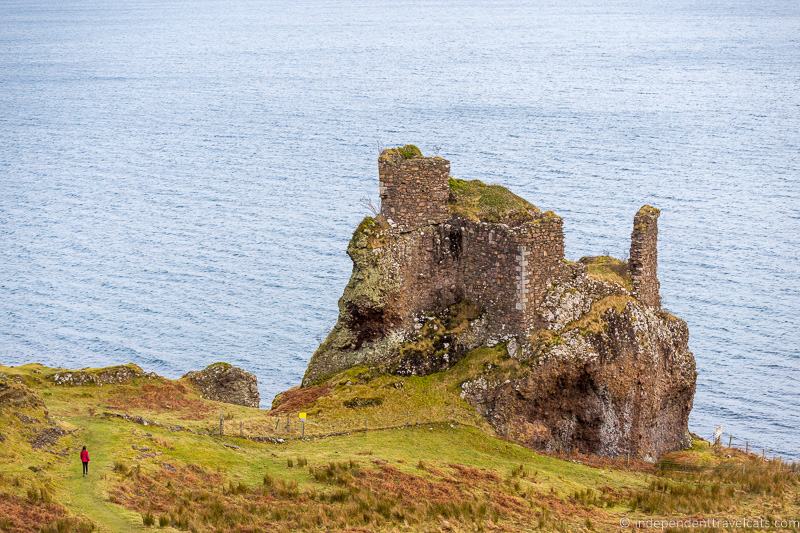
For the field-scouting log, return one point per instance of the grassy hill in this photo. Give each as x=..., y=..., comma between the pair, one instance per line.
x=380, y=453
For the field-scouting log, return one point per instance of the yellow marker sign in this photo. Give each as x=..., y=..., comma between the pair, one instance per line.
x=302, y=416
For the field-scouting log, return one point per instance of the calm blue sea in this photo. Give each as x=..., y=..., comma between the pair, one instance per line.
x=179, y=179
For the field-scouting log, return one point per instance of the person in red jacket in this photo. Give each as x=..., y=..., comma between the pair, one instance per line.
x=85, y=461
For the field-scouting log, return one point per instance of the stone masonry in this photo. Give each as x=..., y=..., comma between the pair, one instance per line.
x=644, y=256
x=413, y=191
x=443, y=259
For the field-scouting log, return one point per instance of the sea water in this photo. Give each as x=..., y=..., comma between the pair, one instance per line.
x=179, y=179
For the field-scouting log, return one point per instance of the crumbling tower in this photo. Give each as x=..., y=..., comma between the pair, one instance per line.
x=413, y=189
x=643, y=262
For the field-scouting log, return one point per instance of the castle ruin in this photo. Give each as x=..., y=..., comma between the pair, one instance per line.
x=643, y=260
x=435, y=246
x=579, y=354
x=506, y=267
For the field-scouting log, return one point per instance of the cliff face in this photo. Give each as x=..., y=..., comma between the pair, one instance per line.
x=607, y=375
x=593, y=362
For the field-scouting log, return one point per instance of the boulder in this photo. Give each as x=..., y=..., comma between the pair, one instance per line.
x=226, y=383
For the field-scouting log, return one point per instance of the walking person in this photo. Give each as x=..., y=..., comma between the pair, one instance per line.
x=85, y=461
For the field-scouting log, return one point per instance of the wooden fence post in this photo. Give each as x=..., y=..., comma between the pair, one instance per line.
x=241, y=428
x=221, y=424
x=730, y=440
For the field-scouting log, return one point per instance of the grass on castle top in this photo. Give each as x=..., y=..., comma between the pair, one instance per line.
x=477, y=201
x=407, y=151
x=607, y=268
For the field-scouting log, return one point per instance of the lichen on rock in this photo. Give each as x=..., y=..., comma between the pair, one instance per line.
x=362, y=332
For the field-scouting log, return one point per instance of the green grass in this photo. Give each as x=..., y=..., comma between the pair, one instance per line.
x=87, y=496
x=362, y=478
x=408, y=151
x=607, y=268
x=477, y=201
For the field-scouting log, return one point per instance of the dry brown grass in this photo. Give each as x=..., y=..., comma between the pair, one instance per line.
x=18, y=515
x=347, y=496
x=296, y=398
x=720, y=484
x=168, y=396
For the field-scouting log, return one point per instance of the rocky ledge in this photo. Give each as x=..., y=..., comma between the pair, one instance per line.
x=114, y=375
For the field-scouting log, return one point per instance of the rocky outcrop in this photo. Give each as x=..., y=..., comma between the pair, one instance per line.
x=226, y=383
x=19, y=404
x=594, y=364
x=16, y=395
x=113, y=375
x=614, y=376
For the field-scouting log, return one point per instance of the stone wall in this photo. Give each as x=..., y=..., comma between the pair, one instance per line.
x=443, y=259
x=428, y=271
x=489, y=274
x=643, y=262
x=505, y=271
x=542, y=243
x=414, y=191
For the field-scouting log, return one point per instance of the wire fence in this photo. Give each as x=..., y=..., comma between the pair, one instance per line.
x=724, y=439
x=292, y=428
x=287, y=428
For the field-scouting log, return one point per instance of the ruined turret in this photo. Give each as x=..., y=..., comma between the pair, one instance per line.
x=643, y=261
x=413, y=188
